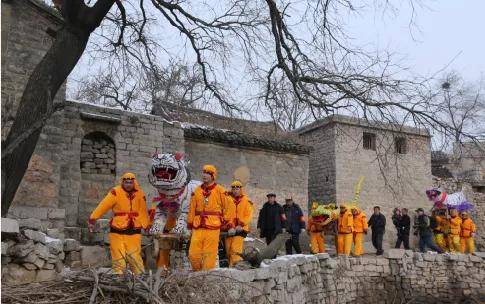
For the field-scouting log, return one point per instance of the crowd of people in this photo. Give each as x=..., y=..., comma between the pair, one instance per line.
x=214, y=210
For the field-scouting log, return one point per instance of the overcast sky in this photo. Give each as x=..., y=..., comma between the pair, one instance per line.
x=444, y=29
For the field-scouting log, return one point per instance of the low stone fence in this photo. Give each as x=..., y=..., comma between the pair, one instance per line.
x=403, y=276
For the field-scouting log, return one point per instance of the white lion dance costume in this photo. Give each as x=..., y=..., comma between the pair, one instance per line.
x=170, y=176
x=442, y=200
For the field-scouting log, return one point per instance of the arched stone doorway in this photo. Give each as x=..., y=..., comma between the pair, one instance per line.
x=98, y=172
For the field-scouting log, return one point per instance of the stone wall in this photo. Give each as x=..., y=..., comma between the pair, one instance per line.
x=24, y=43
x=58, y=177
x=322, y=174
x=263, y=171
x=401, y=277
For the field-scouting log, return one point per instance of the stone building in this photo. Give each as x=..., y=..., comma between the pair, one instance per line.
x=395, y=161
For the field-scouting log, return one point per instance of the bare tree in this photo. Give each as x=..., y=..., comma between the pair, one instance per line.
x=304, y=43
x=463, y=106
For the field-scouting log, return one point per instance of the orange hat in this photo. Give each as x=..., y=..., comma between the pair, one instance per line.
x=210, y=169
x=236, y=183
x=130, y=176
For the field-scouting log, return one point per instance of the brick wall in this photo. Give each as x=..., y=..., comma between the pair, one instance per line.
x=266, y=171
x=24, y=43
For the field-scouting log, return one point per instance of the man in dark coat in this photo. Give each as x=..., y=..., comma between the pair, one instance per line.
x=271, y=220
x=295, y=223
x=402, y=222
x=377, y=222
x=425, y=232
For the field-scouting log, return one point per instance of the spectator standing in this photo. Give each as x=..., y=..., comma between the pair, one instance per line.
x=402, y=222
x=272, y=219
x=377, y=222
x=295, y=223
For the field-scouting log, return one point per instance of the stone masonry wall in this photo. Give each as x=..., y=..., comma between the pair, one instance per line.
x=265, y=171
x=24, y=43
x=391, y=179
x=322, y=174
x=401, y=277
x=54, y=181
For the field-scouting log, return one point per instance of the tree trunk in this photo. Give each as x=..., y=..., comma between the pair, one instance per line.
x=36, y=107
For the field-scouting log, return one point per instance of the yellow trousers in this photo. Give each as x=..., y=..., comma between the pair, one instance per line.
x=203, y=249
x=317, y=242
x=440, y=240
x=163, y=259
x=344, y=243
x=234, y=247
x=126, y=249
x=467, y=243
x=454, y=243
x=358, y=243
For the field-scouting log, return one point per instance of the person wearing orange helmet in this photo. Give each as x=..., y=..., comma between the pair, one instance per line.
x=210, y=210
x=468, y=230
x=242, y=218
x=128, y=203
x=360, y=229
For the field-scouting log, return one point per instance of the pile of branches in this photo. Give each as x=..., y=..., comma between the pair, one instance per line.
x=98, y=286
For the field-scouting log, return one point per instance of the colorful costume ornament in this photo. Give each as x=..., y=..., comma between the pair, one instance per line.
x=168, y=214
x=316, y=223
x=443, y=200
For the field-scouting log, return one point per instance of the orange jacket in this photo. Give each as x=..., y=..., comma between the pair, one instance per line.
x=441, y=224
x=468, y=227
x=129, y=209
x=345, y=222
x=360, y=222
x=243, y=211
x=210, y=208
x=455, y=225
x=314, y=226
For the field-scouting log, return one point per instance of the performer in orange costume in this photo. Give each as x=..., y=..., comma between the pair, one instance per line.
x=128, y=203
x=468, y=230
x=345, y=229
x=243, y=214
x=455, y=231
x=315, y=229
x=210, y=209
x=360, y=229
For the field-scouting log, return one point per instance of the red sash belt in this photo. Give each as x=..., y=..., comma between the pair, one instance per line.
x=205, y=214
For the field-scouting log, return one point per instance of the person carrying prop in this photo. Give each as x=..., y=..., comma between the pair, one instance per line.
x=169, y=175
x=243, y=214
x=424, y=230
x=468, y=230
x=455, y=222
x=360, y=229
x=295, y=224
x=128, y=203
x=209, y=211
x=345, y=230
x=441, y=229
x=315, y=227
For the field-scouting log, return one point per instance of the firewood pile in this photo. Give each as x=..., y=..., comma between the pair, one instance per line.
x=100, y=286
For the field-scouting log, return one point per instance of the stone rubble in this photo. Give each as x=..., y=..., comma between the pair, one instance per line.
x=29, y=255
